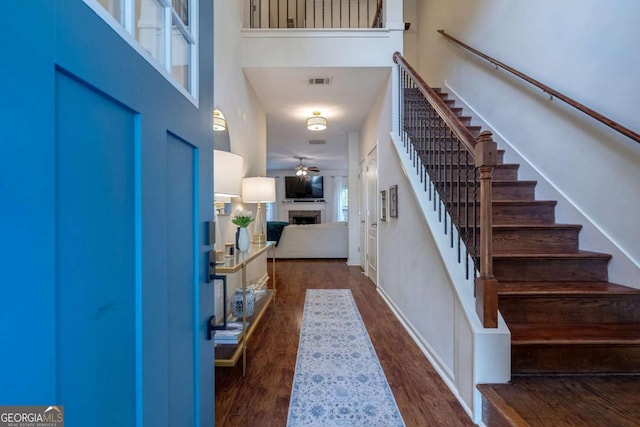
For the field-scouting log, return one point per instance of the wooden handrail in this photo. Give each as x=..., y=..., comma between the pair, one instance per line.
x=438, y=104
x=603, y=119
x=484, y=153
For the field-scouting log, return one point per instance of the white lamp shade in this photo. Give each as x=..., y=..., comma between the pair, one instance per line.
x=258, y=189
x=227, y=174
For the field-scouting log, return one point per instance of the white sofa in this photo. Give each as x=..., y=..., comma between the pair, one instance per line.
x=328, y=240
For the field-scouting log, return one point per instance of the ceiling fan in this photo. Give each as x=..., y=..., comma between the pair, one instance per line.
x=302, y=170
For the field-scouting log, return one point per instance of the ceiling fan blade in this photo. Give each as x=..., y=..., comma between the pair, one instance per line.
x=313, y=169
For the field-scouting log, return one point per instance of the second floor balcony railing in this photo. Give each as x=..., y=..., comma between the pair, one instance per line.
x=315, y=13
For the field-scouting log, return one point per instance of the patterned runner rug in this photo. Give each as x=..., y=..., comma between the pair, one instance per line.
x=338, y=379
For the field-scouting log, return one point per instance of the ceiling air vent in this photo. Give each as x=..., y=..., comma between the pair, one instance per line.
x=317, y=141
x=320, y=80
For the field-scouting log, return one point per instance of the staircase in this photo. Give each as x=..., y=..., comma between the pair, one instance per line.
x=565, y=317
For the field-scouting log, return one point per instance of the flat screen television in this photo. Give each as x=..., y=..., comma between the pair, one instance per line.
x=306, y=187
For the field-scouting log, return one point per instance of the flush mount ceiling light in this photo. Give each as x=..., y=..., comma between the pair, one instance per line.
x=317, y=122
x=219, y=123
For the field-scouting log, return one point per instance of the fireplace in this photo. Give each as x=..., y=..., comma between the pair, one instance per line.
x=305, y=217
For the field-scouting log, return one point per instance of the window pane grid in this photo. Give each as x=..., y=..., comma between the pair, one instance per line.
x=149, y=28
x=344, y=204
x=162, y=28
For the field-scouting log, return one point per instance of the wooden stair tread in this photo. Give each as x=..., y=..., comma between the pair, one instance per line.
x=498, y=166
x=564, y=289
x=567, y=400
x=515, y=202
x=573, y=334
x=505, y=411
x=576, y=255
x=449, y=149
x=503, y=227
x=496, y=183
x=513, y=181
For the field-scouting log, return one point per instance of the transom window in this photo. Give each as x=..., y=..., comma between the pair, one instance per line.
x=163, y=29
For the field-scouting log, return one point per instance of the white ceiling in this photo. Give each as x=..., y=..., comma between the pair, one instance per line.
x=289, y=100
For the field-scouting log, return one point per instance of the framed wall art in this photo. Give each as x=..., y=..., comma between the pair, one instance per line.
x=383, y=205
x=393, y=201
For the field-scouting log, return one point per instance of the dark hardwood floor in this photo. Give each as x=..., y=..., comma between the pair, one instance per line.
x=262, y=397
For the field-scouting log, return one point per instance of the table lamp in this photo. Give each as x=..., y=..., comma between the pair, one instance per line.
x=259, y=189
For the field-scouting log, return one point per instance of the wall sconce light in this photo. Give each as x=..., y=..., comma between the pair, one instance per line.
x=219, y=123
x=317, y=122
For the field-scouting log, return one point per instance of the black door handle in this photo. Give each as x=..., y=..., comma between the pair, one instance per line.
x=211, y=327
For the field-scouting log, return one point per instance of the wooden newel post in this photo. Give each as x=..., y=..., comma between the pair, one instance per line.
x=486, y=286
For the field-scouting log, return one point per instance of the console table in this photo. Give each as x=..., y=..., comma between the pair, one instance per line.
x=227, y=355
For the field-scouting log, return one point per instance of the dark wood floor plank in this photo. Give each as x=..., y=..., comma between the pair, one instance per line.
x=262, y=397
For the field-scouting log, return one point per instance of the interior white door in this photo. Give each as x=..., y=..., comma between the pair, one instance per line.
x=372, y=216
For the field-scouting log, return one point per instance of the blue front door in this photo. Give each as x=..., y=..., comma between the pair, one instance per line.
x=105, y=172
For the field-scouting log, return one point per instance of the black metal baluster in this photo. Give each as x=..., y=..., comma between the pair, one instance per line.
x=421, y=134
x=445, y=181
x=434, y=160
x=425, y=152
x=331, y=13
x=323, y=17
x=404, y=113
x=455, y=173
x=475, y=222
x=459, y=185
x=401, y=102
x=467, y=210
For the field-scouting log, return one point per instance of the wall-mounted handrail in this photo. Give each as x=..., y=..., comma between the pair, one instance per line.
x=594, y=114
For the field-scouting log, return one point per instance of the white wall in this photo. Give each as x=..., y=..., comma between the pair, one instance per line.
x=327, y=206
x=431, y=292
x=354, y=198
x=320, y=48
x=235, y=97
x=583, y=48
x=410, y=49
